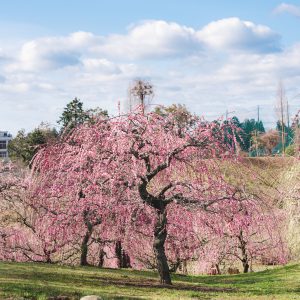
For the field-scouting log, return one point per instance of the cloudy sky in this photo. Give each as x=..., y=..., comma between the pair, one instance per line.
x=211, y=55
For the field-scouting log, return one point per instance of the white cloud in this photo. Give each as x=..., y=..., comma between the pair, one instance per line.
x=284, y=65
x=228, y=64
x=152, y=39
x=160, y=39
x=147, y=40
x=101, y=65
x=3, y=57
x=53, y=52
x=236, y=35
x=288, y=8
x=19, y=87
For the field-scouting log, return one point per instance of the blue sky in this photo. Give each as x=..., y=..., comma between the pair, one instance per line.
x=210, y=55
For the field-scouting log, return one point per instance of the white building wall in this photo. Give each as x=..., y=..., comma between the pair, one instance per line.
x=5, y=137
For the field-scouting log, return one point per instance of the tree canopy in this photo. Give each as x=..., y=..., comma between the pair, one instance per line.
x=25, y=145
x=74, y=115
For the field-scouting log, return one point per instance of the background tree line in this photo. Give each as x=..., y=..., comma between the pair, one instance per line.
x=253, y=138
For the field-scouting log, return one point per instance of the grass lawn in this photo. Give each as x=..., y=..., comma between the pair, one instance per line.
x=40, y=281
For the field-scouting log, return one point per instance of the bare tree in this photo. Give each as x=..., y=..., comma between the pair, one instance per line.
x=140, y=94
x=296, y=129
x=281, y=107
x=269, y=140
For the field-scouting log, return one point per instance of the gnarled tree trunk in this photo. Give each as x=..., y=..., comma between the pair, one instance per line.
x=160, y=235
x=245, y=265
x=84, y=247
x=86, y=239
x=160, y=230
x=122, y=256
x=101, y=258
x=245, y=260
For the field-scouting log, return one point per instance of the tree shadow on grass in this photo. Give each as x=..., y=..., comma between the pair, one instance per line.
x=153, y=284
x=266, y=276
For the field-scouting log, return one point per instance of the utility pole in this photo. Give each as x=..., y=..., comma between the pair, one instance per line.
x=288, y=122
x=297, y=135
x=281, y=99
x=296, y=127
x=256, y=132
x=288, y=114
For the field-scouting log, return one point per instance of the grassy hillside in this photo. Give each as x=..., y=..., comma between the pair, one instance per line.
x=40, y=281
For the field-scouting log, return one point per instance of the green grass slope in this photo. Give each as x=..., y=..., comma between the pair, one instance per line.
x=41, y=281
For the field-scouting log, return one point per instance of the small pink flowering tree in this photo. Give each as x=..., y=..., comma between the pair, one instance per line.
x=248, y=231
x=255, y=233
x=30, y=230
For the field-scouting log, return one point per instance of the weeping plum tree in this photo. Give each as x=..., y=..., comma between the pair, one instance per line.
x=170, y=164
x=62, y=181
x=29, y=230
x=250, y=232
x=122, y=163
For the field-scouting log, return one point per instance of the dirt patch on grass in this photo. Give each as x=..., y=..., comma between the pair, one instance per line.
x=154, y=284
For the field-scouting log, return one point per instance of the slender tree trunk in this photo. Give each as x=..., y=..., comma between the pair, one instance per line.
x=245, y=260
x=160, y=235
x=101, y=258
x=218, y=269
x=86, y=239
x=175, y=266
x=122, y=256
x=245, y=266
x=126, y=260
x=118, y=251
x=184, y=267
x=84, y=248
x=48, y=256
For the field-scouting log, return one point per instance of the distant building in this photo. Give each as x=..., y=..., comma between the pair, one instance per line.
x=5, y=137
